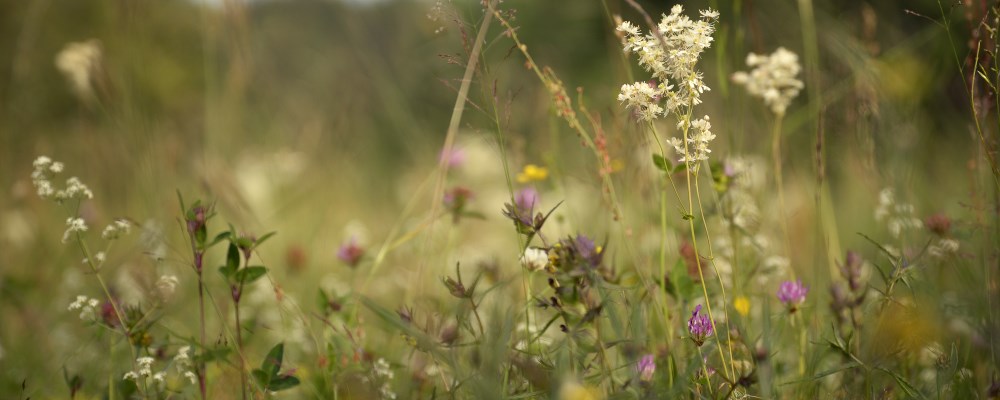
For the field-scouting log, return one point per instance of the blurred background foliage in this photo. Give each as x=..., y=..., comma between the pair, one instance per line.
x=303, y=116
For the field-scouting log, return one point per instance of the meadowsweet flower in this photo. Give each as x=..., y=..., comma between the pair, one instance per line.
x=646, y=367
x=699, y=326
x=742, y=305
x=532, y=173
x=897, y=216
x=73, y=226
x=792, y=294
x=773, y=78
x=351, y=252
x=534, y=259
x=671, y=55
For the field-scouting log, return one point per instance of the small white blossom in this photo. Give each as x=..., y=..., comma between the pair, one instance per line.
x=191, y=377
x=130, y=375
x=534, y=259
x=87, y=307
x=160, y=377
x=773, y=78
x=73, y=225
x=943, y=247
x=897, y=216
x=116, y=229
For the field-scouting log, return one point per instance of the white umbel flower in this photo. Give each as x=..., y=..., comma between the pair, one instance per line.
x=534, y=259
x=896, y=216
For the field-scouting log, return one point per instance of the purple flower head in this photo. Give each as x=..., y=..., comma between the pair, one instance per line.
x=454, y=157
x=526, y=199
x=792, y=294
x=350, y=252
x=588, y=251
x=699, y=326
x=646, y=367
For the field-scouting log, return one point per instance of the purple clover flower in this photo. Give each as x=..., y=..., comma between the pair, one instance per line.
x=526, y=199
x=646, y=367
x=454, y=157
x=699, y=326
x=792, y=294
x=350, y=252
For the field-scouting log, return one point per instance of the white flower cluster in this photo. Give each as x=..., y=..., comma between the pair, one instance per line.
x=44, y=169
x=87, y=307
x=773, y=78
x=117, y=229
x=694, y=147
x=145, y=369
x=383, y=372
x=670, y=55
x=98, y=258
x=78, y=61
x=73, y=225
x=943, y=247
x=534, y=259
x=183, y=363
x=897, y=216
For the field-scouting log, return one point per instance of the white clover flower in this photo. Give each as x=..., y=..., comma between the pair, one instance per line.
x=534, y=259
x=897, y=216
x=773, y=78
x=73, y=225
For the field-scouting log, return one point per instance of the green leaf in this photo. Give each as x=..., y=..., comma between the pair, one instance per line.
x=266, y=236
x=681, y=283
x=261, y=377
x=218, y=238
x=662, y=164
x=250, y=274
x=233, y=257
x=282, y=383
x=272, y=363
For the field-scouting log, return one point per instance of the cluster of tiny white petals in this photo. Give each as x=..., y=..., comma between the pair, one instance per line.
x=98, y=258
x=694, y=148
x=116, y=229
x=87, y=307
x=943, y=247
x=897, y=216
x=383, y=372
x=73, y=226
x=534, y=259
x=145, y=365
x=772, y=78
x=671, y=54
x=41, y=178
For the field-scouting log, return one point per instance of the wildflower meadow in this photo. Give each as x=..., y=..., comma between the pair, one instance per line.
x=499, y=199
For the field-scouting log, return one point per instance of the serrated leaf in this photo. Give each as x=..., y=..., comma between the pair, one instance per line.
x=282, y=383
x=272, y=363
x=250, y=274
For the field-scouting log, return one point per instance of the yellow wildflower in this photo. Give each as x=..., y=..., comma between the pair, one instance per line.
x=532, y=173
x=742, y=305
